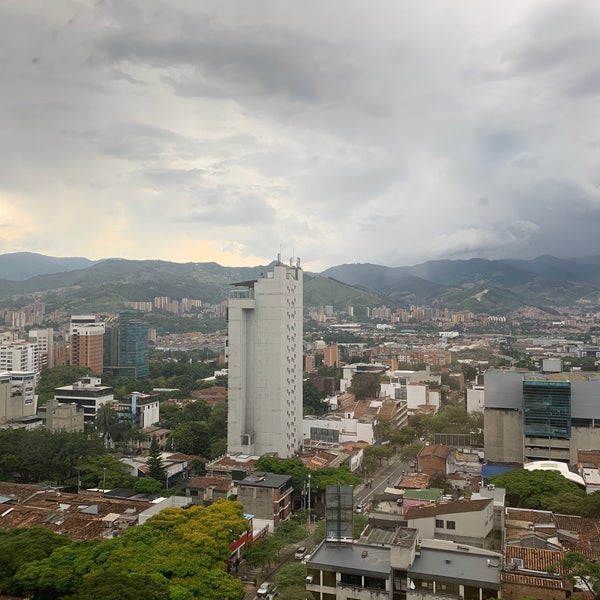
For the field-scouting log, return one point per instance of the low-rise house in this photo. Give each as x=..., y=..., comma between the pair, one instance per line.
x=81, y=516
x=436, y=459
x=178, y=467
x=534, y=572
x=419, y=497
x=206, y=490
x=267, y=496
x=464, y=521
x=232, y=465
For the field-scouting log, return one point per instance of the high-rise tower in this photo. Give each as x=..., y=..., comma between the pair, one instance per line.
x=126, y=348
x=86, y=342
x=265, y=364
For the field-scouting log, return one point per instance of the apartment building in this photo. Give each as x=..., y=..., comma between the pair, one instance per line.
x=265, y=364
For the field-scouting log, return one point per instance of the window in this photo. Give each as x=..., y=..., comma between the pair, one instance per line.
x=450, y=524
x=439, y=524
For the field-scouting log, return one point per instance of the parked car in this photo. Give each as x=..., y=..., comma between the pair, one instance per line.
x=299, y=554
x=306, y=558
x=272, y=595
x=266, y=587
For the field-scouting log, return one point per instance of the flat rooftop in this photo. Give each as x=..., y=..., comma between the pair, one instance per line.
x=458, y=563
x=357, y=559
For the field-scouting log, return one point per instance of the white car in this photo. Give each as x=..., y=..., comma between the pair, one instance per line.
x=264, y=589
x=299, y=554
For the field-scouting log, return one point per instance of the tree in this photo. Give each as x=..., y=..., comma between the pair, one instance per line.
x=156, y=466
x=441, y=482
x=290, y=580
x=410, y=452
x=105, y=417
x=22, y=546
x=132, y=586
x=535, y=489
x=191, y=437
x=184, y=550
x=312, y=400
x=262, y=553
x=366, y=385
x=378, y=452
x=104, y=471
x=577, y=566
x=148, y=485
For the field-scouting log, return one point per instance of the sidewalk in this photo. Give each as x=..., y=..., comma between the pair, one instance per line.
x=286, y=555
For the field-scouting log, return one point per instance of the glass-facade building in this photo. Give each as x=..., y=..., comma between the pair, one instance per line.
x=547, y=409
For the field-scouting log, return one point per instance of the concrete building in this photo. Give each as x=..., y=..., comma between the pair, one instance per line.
x=331, y=356
x=62, y=417
x=402, y=567
x=142, y=410
x=44, y=339
x=86, y=336
x=463, y=521
x=88, y=393
x=17, y=396
x=265, y=364
x=267, y=496
x=355, y=421
x=475, y=399
x=548, y=416
x=19, y=356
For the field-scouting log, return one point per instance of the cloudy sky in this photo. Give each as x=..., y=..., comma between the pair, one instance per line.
x=339, y=130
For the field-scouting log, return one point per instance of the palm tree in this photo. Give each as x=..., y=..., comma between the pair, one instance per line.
x=105, y=417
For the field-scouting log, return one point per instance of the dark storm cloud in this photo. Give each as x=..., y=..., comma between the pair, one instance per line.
x=249, y=124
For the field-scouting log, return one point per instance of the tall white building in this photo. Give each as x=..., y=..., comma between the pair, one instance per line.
x=19, y=356
x=265, y=364
x=44, y=338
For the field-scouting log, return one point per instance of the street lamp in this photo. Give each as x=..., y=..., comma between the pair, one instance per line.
x=309, y=499
x=104, y=480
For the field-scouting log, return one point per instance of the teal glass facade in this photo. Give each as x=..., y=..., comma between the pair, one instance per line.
x=547, y=409
x=134, y=352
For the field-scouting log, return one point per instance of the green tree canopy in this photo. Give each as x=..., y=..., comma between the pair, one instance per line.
x=366, y=385
x=312, y=400
x=156, y=466
x=21, y=546
x=183, y=550
x=535, y=489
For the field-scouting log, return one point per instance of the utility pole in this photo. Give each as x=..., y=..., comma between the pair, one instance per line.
x=309, y=499
x=104, y=481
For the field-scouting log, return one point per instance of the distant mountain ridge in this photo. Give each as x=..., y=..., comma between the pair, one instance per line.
x=20, y=266
x=478, y=285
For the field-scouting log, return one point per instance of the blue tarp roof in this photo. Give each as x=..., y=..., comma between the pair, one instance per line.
x=490, y=470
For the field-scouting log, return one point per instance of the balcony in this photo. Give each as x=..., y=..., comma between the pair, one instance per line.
x=363, y=593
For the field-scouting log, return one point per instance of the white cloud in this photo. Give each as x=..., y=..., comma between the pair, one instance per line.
x=390, y=132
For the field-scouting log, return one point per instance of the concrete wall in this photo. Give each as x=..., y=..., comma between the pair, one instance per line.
x=503, y=390
x=503, y=435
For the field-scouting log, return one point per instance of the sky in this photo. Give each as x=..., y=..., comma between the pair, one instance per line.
x=336, y=131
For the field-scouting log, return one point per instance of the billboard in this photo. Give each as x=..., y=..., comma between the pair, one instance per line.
x=338, y=513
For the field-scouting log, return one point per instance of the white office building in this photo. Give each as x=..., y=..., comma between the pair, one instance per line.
x=265, y=364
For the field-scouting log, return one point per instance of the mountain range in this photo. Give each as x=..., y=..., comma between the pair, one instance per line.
x=479, y=285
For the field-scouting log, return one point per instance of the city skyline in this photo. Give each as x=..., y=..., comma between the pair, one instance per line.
x=222, y=131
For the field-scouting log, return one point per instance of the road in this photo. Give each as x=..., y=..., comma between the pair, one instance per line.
x=388, y=475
